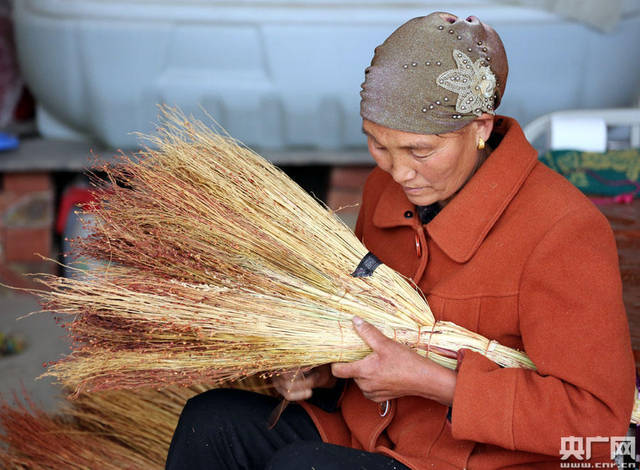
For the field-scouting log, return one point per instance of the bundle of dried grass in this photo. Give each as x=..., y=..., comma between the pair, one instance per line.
x=218, y=266
x=114, y=429
x=143, y=419
x=174, y=332
x=34, y=440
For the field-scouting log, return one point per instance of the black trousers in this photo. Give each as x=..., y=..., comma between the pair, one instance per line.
x=228, y=429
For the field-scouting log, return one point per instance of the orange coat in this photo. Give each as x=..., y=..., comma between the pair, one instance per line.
x=522, y=257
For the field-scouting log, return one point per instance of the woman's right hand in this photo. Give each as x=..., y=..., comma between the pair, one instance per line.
x=298, y=385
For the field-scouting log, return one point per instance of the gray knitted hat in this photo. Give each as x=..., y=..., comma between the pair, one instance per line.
x=434, y=75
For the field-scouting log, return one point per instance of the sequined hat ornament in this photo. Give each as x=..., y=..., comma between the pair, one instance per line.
x=434, y=75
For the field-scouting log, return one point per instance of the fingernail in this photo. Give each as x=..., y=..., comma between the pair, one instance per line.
x=357, y=320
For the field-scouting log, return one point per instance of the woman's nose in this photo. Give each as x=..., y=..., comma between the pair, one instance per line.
x=402, y=173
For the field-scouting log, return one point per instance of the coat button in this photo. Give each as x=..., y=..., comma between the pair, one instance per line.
x=408, y=214
x=418, y=246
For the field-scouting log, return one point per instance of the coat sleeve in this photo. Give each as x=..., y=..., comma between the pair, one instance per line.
x=574, y=327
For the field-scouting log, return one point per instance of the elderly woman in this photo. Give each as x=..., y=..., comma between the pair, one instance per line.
x=499, y=244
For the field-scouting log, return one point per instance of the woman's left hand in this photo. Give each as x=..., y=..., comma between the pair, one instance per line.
x=392, y=370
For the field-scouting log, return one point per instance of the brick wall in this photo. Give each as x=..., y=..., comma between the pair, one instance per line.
x=26, y=217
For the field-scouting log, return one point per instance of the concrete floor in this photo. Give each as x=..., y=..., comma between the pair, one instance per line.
x=45, y=341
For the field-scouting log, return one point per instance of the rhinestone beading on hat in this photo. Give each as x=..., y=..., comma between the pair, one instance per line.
x=473, y=82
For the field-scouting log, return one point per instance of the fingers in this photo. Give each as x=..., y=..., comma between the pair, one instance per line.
x=375, y=339
x=296, y=395
x=295, y=386
x=346, y=370
x=378, y=397
x=373, y=391
x=370, y=334
x=355, y=370
x=323, y=377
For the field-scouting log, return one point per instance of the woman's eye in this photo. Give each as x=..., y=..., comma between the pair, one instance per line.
x=421, y=157
x=375, y=145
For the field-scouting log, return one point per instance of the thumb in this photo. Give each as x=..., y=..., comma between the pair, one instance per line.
x=369, y=333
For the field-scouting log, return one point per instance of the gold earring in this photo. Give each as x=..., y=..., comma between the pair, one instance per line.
x=480, y=143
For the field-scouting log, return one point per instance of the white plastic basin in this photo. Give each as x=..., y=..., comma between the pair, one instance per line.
x=281, y=73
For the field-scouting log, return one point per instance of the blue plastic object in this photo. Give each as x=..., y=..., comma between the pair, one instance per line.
x=8, y=142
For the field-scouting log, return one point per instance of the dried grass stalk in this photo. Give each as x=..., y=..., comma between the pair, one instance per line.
x=218, y=266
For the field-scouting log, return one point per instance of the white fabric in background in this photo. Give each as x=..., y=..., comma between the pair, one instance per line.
x=587, y=134
x=601, y=14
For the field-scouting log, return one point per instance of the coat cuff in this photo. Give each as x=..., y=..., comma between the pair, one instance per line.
x=483, y=401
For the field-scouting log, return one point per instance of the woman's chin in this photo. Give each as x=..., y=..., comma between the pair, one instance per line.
x=421, y=199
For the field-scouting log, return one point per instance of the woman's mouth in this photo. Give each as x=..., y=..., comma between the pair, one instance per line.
x=412, y=190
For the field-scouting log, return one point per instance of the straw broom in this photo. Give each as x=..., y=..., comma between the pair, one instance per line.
x=180, y=333
x=218, y=266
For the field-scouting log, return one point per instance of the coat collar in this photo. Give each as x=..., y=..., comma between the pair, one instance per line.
x=465, y=221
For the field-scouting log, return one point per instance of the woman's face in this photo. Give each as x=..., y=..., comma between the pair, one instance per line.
x=430, y=168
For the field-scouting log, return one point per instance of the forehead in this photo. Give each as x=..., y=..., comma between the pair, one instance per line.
x=388, y=136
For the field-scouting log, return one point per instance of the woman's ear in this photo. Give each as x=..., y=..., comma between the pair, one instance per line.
x=484, y=126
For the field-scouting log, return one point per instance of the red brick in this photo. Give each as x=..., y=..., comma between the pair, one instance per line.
x=6, y=200
x=350, y=176
x=21, y=183
x=31, y=210
x=23, y=244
